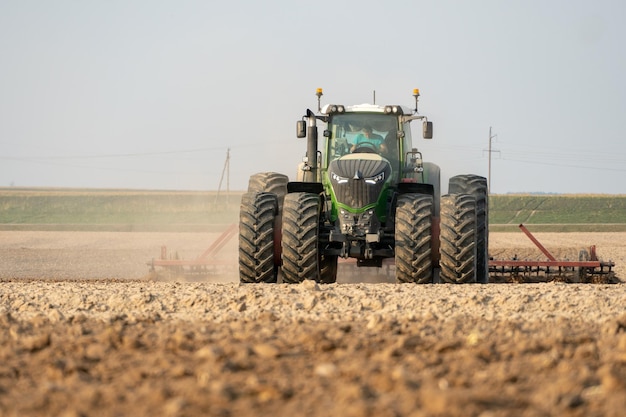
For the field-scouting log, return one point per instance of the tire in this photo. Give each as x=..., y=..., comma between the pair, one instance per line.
x=275, y=183
x=269, y=182
x=301, y=255
x=328, y=269
x=477, y=187
x=257, y=217
x=413, y=239
x=458, y=239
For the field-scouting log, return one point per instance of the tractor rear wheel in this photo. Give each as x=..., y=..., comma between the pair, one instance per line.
x=269, y=182
x=301, y=254
x=458, y=239
x=257, y=217
x=477, y=186
x=413, y=236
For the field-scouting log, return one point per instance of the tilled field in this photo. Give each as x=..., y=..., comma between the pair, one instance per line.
x=84, y=334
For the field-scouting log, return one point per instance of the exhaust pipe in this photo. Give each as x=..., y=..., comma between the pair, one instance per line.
x=311, y=149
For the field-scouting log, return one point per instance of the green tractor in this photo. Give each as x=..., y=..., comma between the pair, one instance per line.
x=366, y=194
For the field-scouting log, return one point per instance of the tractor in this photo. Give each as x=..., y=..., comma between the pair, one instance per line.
x=363, y=192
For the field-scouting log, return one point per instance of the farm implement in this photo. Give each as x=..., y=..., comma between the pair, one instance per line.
x=588, y=268
x=207, y=264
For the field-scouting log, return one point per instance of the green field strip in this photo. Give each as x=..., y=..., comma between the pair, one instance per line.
x=117, y=208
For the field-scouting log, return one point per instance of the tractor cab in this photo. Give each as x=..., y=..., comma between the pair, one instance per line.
x=354, y=131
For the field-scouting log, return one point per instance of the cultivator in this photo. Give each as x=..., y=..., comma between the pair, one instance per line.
x=206, y=265
x=588, y=268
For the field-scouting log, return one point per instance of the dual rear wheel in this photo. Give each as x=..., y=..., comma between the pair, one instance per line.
x=278, y=228
x=260, y=216
x=465, y=231
x=463, y=237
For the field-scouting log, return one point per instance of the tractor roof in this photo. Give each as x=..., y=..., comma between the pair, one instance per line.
x=363, y=108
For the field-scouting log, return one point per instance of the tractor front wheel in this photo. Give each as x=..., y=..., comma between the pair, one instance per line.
x=476, y=186
x=275, y=183
x=301, y=255
x=413, y=235
x=257, y=217
x=458, y=239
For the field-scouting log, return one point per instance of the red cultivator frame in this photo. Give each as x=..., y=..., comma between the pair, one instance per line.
x=587, y=269
x=205, y=264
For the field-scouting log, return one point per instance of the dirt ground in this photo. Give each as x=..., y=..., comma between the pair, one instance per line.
x=83, y=332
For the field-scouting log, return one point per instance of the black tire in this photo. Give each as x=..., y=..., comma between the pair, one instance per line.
x=275, y=183
x=269, y=182
x=413, y=236
x=257, y=217
x=477, y=186
x=328, y=269
x=301, y=255
x=458, y=239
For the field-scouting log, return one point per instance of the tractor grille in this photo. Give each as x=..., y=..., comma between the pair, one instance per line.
x=358, y=182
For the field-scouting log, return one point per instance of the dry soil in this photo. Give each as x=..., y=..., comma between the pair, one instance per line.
x=83, y=332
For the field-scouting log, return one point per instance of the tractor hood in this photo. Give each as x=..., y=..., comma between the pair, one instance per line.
x=358, y=179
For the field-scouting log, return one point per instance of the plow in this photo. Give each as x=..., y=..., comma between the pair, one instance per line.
x=587, y=269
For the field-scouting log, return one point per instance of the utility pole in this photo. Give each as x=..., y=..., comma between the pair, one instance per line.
x=226, y=170
x=490, y=152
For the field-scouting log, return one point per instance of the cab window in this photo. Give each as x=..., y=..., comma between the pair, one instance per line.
x=346, y=130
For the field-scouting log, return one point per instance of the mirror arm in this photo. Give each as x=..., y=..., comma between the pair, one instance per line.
x=409, y=118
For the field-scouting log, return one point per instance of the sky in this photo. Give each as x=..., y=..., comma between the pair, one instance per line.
x=150, y=94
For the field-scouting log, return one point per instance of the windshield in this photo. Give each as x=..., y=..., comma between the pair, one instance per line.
x=363, y=132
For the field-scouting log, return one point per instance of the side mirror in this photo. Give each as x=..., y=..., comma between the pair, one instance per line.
x=428, y=130
x=301, y=129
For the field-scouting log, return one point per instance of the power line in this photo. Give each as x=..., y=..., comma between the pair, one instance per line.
x=535, y=162
x=104, y=168
x=141, y=154
x=119, y=155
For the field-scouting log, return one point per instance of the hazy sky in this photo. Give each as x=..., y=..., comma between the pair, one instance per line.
x=150, y=94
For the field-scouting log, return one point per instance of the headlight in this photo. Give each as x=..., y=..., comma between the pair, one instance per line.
x=338, y=179
x=393, y=110
x=376, y=178
x=335, y=108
